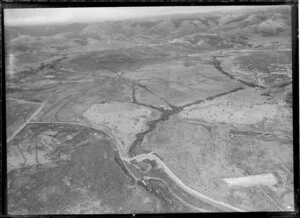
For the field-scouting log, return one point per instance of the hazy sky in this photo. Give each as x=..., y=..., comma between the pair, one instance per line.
x=72, y=15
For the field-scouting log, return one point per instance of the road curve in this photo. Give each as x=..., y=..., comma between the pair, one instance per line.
x=189, y=190
x=161, y=165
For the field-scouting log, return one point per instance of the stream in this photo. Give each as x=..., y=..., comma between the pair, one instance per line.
x=167, y=186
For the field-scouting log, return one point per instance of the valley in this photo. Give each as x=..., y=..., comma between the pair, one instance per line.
x=187, y=113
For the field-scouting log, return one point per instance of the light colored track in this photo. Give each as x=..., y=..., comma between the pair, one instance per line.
x=104, y=129
x=27, y=121
x=152, y=156
x=189, y=190
x=23, y=101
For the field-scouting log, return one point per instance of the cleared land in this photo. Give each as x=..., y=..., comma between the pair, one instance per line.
x=18, y=113
x=125, y=120
x=232, y=108
x=198, y=81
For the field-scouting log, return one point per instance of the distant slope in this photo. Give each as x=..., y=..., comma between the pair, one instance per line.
x=268, y=21
x=42, y=30
x=208, y=31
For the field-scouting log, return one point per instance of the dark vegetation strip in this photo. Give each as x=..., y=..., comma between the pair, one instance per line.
x=217, y=65
x=140, y=136
x=134, y=100
x=170, y=198
x=123, y=167
x=207, y=127
x=165, y=115
x=145, y=87
x=250, y=133
x=213, y=97
x=148, y=90
x=133, y=95
x=134, y=84
x=289, y=99
x=284, y=84
x=150, y=106
x=159, y=174
x=157, y=187
x=162, y=192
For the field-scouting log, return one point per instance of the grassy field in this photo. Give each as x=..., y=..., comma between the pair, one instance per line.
x=17, y=113
x=203, y=151
x=180, y=84
x=80, y=176
x=192, y=99
x=260, y=67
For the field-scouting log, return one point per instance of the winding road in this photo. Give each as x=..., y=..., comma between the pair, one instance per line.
x=130, y=155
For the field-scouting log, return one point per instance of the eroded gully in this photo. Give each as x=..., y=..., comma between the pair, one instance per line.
x=165, y=115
